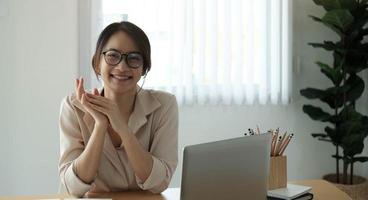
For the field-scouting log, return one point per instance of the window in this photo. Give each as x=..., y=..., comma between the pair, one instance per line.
x=212, y=52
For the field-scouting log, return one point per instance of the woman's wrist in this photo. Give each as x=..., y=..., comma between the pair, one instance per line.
x=125, y=132
x=101, y=126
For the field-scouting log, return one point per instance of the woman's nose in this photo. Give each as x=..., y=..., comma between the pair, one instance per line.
x=122, y=64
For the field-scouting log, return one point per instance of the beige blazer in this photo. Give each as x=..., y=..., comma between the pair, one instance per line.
x=154, y=121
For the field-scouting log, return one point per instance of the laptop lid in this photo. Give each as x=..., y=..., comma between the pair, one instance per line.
x=228, y=169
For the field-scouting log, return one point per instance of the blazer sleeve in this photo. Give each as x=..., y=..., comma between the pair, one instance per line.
x=164, y=149
x=71, y=146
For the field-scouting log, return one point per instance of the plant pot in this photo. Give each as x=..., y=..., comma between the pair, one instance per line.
x=357, y=191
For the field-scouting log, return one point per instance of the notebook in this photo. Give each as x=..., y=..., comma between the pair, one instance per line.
x=291, y=191
x=306, y=196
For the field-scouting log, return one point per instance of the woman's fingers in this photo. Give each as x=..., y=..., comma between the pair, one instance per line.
x=87, y=105
x=80, y=88
x=77, y=89
x=95, y=101
x=95, y=92
x=99, y=98
x=82, y=85
x=98, y=108
x=90, y=106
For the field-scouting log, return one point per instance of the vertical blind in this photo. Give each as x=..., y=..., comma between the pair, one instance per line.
x=213, y=52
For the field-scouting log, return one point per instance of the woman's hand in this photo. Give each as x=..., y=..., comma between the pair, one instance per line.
x=100, y=118
x=110, y=109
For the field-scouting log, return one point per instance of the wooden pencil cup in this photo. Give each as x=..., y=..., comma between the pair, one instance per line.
x=277, y=177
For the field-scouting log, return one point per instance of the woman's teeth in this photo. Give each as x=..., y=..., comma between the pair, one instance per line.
x=121, y=77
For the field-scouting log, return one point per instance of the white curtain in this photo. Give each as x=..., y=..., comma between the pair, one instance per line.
x=211, y=52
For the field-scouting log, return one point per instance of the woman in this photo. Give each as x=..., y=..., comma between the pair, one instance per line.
x=120, y=137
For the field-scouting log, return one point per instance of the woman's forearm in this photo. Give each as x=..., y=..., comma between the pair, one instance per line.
x=140, y=159
x=86, y=165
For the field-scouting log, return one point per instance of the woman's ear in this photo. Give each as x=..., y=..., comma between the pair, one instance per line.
x=97, y=70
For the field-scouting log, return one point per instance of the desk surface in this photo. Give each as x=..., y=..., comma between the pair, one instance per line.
x=322, y=190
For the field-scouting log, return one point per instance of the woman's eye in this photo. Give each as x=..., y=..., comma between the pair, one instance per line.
x=135, y=57
x=113, y=56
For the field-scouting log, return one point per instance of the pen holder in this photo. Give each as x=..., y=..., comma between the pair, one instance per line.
x=277, y=177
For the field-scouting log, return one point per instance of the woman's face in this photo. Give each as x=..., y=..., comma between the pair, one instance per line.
x=120, y=78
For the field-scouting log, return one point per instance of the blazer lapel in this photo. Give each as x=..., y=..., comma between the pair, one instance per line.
x=145, y=104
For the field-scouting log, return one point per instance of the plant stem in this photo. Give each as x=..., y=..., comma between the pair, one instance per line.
x=345, y=172
x=351, y=171
x=337, y=164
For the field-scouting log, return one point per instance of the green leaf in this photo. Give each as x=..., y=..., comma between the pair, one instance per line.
x=332, y=96
x=339, y=157
x=312, y=93
x=337, y=4
x=325, y=96
x=338, y=59
x=317, y=19
x=333, y=134
x=327, y=45
x=340, y=18
x=333, y=74
x=353, y=145
x=349, y=113
x=356, y=60
x=356, y=88
x=316, y=113
x=360, y=159
x=332, y=27
x=321, y=135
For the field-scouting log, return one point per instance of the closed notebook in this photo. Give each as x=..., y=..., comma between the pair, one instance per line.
x=306, y=196
x=291, y=192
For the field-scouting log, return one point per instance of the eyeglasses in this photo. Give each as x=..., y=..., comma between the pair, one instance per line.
x=132, y=59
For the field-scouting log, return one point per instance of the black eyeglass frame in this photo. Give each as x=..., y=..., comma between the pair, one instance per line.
x=123, y=56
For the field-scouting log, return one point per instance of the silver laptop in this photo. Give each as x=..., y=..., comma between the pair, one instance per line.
x=234, y=169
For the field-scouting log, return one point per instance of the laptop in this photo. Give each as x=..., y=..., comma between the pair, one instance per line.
x=234, y=169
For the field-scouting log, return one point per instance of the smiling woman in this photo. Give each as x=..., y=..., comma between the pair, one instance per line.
x=119, y=137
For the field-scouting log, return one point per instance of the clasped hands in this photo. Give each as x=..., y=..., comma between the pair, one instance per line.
x=104, y=111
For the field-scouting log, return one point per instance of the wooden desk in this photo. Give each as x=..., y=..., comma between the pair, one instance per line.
x=321, y=189
x=324, y=190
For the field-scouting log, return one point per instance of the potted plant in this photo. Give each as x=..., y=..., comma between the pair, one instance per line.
x=347, y=128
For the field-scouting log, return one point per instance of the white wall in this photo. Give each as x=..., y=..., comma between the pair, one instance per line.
x=38, y=64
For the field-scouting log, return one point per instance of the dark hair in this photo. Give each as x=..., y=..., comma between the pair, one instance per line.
x=134, y=32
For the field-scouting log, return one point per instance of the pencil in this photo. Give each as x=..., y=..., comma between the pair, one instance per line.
x=287, y=142
x=281, y=144
x=258, y=131
x=277, y=145
x=273, y=142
